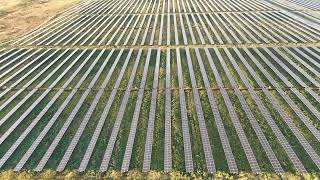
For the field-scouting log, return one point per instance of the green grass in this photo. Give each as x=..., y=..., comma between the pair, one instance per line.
x=289, y=135
x=140, y=138
x=157, y=161
x=119, y=147
x=158, y=137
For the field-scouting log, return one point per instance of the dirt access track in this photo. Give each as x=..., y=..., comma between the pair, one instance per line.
x=17, y=17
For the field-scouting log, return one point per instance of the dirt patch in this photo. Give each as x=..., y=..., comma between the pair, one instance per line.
x=18, y=17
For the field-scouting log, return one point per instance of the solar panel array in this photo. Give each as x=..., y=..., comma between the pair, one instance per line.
x=165, y=85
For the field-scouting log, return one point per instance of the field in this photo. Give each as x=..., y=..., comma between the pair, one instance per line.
x=165, y=85
x=18, y=17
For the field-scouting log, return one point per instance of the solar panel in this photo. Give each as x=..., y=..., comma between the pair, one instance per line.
x=88, y=115
x=184, y=118
x=128, y=152
x=313, y=54
x=222, y=134
x=248, y=25
x=287, y=99
x=290, y=123
x=48, y=126
x=120, y=25
x=285, y=80
x=16, y=73
x=290, y=29
x=276, y=105
x=6, y=55
x=18, y=58
x=16, y=63
x=202, y=23
x=152, y=116
x=235, y=120
x=108, y=152
x=13, y=110
x=307, y=32
x=312, y=80
x=202, y=124
x=167, y=125
x=245, y=28
x=50, y=150
x=168, y=23
x=135, y=118
x=114, y=16
x=294, y=76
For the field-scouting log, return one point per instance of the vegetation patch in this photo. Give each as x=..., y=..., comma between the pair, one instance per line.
x=50, y=174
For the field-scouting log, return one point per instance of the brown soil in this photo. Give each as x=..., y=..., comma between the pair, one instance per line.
x=17, y=17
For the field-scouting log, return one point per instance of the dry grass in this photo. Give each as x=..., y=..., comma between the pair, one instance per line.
x=154, y=175
x=18, y=17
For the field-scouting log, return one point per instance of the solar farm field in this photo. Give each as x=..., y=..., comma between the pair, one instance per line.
x=165, y=85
